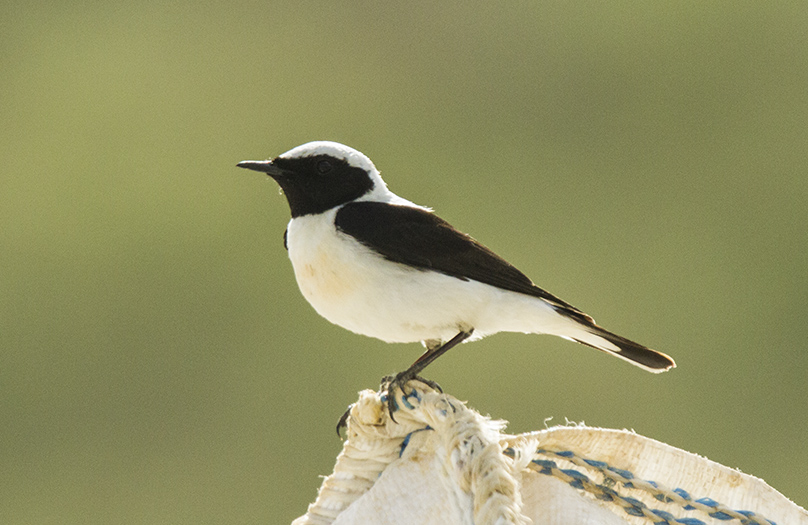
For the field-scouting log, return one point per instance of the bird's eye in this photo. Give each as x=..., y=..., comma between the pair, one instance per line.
x=323, y=166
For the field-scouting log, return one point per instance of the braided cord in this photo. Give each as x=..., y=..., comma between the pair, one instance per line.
x=633, y=506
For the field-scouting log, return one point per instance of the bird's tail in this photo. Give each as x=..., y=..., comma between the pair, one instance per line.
x=635, y=353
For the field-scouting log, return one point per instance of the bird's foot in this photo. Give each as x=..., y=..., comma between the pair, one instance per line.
x=398, y=381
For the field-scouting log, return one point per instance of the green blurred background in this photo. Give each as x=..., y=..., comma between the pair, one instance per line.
x=157, y=362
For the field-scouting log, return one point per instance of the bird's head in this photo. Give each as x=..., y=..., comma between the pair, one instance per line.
x=321, y=175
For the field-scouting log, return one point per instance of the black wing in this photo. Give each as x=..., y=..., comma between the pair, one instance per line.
x=418, y=238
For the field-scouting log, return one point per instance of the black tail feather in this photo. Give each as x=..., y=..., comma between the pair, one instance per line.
x=635, y=353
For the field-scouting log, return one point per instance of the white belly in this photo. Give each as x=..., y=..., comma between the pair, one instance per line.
x=361, y=291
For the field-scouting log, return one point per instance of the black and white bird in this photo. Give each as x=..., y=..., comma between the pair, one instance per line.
x=381, y=266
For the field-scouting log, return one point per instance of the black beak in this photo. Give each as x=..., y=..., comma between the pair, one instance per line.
x=264, y=166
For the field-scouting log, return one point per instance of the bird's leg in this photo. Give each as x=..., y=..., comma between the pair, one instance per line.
x=400, y=379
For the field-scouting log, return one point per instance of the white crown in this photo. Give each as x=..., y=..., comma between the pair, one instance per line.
x=332, y=149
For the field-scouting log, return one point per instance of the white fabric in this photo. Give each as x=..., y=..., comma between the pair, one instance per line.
x=443, y=463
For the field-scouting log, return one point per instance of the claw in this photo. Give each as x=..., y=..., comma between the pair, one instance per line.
x=343, y=420
x=390, y=383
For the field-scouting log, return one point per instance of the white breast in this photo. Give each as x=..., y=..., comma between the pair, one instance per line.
x=359, y=290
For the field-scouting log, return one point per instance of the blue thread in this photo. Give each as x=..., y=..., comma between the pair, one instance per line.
x=608, y=490
x=606, y=493
x=707, y=501
x=667, y=516
x=620, y=472
x=565, y=454
x=547, y=466
x=690, y=521
x=404, y=444
x=575, y=474
x=636, y=508
x=407, y=404
x=406, y=440
x=637, y=503
x=578, y=478
x=596, y=464
x=658, y=496
x=605, y=496
x=414, y=393
x=683, y=493
x=720, y=516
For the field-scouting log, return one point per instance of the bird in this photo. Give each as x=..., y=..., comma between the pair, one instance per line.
x=384, y=267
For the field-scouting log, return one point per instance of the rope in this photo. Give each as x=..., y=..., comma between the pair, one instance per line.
x=471, y=448
x=633, y=506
